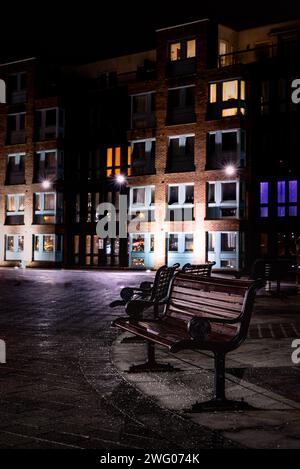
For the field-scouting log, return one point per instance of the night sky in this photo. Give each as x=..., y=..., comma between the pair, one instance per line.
x=92, y=30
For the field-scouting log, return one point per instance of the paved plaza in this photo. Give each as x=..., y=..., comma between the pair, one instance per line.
x=65, y=383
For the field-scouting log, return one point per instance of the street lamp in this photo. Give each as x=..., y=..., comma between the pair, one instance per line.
x=120, y=179
x=46, y=184
x=230, y=170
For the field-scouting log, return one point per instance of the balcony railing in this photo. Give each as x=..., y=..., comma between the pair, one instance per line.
x=259, y=54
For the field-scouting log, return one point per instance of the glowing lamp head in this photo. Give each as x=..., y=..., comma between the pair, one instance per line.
x=46, y=184
x=120, y=179
x=230, y=170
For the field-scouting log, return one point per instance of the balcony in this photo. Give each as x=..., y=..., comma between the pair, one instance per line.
x=283, y=50
x=181, y=67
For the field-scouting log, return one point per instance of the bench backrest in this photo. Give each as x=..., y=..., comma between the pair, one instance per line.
x=162, y=281
x=204, y=270
x=213, y=297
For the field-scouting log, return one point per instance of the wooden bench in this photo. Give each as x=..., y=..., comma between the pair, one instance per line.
x=200, y=313
x=149, y=294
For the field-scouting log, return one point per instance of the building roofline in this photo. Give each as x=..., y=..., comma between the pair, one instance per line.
x=180, y=25
x=17, y=61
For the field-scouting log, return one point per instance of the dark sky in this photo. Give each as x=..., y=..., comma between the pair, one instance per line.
x=89, y=30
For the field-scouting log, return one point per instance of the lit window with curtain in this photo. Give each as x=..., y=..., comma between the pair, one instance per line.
x=287, y=198
x=264, y=199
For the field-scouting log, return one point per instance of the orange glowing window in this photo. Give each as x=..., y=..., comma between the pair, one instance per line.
x=213, y=93
x=129, y=161
x=109, y=157
x=230, y=112
x=191, y=48
x=117, y=156
x=243, y=92
x=230, y=90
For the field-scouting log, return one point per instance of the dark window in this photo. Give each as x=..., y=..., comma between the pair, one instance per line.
x=229, y=141
x=228, y=191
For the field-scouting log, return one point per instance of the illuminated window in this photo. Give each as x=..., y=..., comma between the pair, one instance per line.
x=287, y=198
x=182, y=50
x=180, y=202
x=129, y=161
x=152, y=243
x=225, y=50
x=175, y=51
x=141, y=202
x=14, y=209
x=138, y=243
x=48, y=243
x=230, y=112
x=113, y=161
x=14, y=247
x=225, y=249
x=213, y=93
x=264, y=199
x=243, y=90
x=230, y=90
x=188, y=243
x=48, y=208
x=191, y=48
x=226, y=99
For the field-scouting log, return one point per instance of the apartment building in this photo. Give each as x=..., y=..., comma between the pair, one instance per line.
x=202, y=128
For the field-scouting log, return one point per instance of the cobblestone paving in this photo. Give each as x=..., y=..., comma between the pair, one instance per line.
x=58, y=388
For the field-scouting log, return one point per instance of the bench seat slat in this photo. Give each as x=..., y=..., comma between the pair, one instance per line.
x=190, y=283
x=185, y=311
x=201, y=293
x=163, y=334
x=202, y=301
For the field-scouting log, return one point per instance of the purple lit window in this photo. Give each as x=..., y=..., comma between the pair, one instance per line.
x=264, y=192
x=264, y=212
x=281, y=192
x=293, y=211
x=293, y=189
x=281, y=211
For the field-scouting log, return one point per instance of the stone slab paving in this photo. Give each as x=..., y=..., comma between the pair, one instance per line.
x=60, y=387
x=260, y=371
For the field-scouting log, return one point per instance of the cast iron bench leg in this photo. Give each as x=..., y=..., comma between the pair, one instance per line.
x=151, y=364
x=219, y=401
